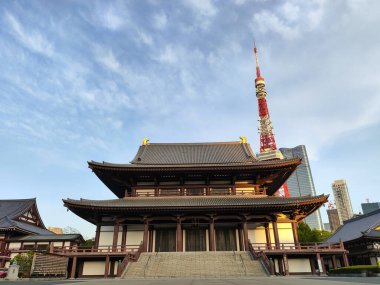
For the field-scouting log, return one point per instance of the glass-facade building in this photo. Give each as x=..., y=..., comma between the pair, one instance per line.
x=300, y=183
x=370, y=207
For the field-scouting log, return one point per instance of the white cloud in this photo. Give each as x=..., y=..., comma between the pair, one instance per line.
x=160, y=21
x=290, y=11
x=203, y=7
x=168, y=55
x=267, y=21
x=144, y=38
x=107, y=59
x=111, y=18
x=32, y=40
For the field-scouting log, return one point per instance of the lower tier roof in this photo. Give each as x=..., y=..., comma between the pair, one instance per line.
x=92, y=210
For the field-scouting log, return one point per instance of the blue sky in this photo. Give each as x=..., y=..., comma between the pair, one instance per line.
x=88, y=80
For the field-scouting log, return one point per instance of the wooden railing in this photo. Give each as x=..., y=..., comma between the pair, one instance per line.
x=297, y=247
x=197, y=190
x=128, y=258
x=5, y=252
x=268, y=264
x=67, y=250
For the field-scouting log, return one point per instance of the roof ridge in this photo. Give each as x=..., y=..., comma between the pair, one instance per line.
x=195, y=143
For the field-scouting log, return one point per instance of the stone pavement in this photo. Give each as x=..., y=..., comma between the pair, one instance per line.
x=235, y=281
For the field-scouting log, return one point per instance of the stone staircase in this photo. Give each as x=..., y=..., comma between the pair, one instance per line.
x=194, y=264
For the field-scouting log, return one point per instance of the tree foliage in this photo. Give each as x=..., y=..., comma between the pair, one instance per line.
x=307, y=235
x=24, y=260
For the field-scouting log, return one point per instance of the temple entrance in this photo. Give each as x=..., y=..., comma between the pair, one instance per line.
x=165, y=240
x=225, y=239
x=195, y=239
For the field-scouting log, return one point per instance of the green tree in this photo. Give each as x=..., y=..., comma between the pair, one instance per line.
x=24, y=260
x=307, y=235
x=89, y=242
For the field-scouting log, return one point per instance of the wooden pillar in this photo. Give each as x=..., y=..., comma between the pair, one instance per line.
x=295, y=233
x=241, y=239
x=245, y=233
x=312, y=265
x=107, y=266
x=267, y=235
x=345, y=259
x=179, y=235
x=145, y=236
x=97, y=235
x=276, y=236
x=321, y=266
x=333, y=258
x=286, y=264
x=212, y=234
x=73, y=268
x=112, y=268
x=150, y=247
x=280, y=266
x=124, y=238
x=115, y=236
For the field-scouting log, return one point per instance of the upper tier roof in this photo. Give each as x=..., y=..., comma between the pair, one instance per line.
x=194, y=153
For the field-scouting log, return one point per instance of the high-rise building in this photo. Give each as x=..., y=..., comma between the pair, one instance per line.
x=326, y=227
x=333, y=219
x=370, y=207
x=300, y=183
x=342, y=200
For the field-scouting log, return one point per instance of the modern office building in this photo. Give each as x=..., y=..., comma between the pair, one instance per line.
x=326, y=227
x=370, y=207
x=300, y=183
x=342, y=200
x=334, y=221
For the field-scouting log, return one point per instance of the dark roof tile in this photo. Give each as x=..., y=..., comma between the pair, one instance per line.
x=357, y=227
x=194, y=153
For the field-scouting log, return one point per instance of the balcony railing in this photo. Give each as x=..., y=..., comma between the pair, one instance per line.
x=297, y=247
x=94, y=250
x=197, y=190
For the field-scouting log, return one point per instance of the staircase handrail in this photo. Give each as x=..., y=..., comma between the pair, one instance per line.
x=129, y=257
x=268, y=264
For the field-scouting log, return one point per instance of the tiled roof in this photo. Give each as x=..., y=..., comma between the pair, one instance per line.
x=60, y=237
x=358, y=227
x=190, y=201
x=194, y=153
x=12, y=209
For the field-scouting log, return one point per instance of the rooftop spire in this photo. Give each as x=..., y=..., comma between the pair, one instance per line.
x=256, y=60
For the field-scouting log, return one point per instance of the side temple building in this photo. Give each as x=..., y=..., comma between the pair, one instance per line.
x=176, y=197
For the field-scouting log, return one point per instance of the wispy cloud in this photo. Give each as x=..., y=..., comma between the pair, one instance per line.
x=31, y=39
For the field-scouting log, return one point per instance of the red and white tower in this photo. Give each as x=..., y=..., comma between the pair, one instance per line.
x=268, y=148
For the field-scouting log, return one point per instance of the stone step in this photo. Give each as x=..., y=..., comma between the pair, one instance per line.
x=194, y=264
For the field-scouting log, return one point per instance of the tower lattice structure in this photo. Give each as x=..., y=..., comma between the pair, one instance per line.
x=268, y=148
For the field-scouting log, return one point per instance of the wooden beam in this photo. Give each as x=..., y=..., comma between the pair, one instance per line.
x=145, y=236
x=97, y=235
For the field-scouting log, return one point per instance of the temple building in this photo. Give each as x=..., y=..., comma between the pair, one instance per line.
x=182, y=197
x=22, y=229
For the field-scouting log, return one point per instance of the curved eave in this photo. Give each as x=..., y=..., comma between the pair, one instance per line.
x=92, y=210
x=107, y=172
x=183, y=167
